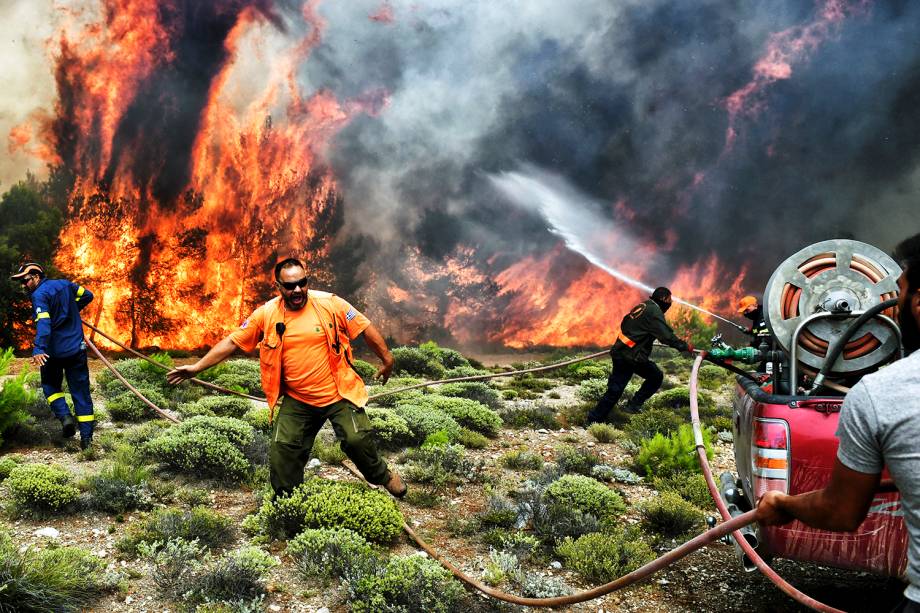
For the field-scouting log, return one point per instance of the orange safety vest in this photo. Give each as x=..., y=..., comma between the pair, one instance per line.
x=347, y=381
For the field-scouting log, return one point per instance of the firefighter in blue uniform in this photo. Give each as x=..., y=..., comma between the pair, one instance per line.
x=641, y=327
x=59, y=348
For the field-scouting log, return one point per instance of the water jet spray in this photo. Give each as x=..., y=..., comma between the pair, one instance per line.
x=572, y=217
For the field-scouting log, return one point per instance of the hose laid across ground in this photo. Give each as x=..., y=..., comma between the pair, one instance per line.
x=375, y=396
x=639, y=574
x=164, y=366
x=770, y=574
x=635, y=576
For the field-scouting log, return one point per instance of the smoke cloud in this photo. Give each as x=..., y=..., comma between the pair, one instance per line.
x=686, y=132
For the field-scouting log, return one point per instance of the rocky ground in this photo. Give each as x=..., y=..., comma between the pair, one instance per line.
x=709, y=580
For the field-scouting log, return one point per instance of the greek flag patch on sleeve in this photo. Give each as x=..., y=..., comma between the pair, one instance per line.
x=244, y=324
x=351, y=314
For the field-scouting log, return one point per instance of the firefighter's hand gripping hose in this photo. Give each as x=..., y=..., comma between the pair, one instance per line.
x=771, y=574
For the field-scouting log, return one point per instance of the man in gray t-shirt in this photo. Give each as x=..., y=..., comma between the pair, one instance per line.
x=879, y=426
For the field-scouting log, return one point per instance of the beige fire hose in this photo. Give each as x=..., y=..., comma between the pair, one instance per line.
x=730, y=525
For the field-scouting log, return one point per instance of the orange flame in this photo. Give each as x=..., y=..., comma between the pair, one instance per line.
x=181, y=273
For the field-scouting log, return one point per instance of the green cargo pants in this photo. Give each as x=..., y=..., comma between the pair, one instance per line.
x=294, y=429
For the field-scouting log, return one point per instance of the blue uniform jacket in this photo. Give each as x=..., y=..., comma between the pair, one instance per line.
x=56, y=306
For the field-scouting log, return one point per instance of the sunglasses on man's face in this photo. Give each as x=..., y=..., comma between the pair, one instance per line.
x=25, y=280
x=292, y=285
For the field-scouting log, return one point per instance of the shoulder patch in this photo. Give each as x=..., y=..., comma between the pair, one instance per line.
x=38, y=309
x=637, y=311
x=244, y=324
x=351, y=314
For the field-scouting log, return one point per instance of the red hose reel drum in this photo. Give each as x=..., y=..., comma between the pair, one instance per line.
x=836, y=276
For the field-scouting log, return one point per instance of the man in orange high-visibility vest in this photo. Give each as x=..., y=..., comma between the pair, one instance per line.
x=304, y=340
x=641, y=327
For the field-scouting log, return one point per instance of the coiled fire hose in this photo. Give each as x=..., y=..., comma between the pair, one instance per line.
x=729, y=526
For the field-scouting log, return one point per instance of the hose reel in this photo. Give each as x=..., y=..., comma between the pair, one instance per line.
x=812, y=296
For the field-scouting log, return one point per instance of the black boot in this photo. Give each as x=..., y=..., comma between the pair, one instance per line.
x=68, y=426
x=86, y=442
x=632, y=409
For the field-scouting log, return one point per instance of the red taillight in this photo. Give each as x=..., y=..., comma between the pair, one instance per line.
x=770, y=456
x=770, y=434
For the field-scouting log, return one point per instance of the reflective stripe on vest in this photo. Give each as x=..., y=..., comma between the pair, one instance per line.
x=627, y=341
x=80, y=293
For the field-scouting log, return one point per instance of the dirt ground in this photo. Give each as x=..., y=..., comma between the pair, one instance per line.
x=711, y=579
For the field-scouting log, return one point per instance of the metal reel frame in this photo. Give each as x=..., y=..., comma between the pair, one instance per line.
x=837, y=275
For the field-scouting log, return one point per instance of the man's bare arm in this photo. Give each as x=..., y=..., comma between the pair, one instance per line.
x=841, y=506
x=375, y=341
x=218, y=353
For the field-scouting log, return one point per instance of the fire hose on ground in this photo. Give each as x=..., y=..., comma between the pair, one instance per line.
x=731, y=525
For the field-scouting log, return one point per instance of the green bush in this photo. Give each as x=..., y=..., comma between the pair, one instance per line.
x=319, y=503
x=720, y=423
x=138, y=372
x=333, y=553
x=365, y=370
x=521, y=459
x=692, y=488
x=574, y=414
x=529, y=382
x=416, y=362
x=15, y=395
x=498, y=512
x=580, y=371
x=41, y=489
x=602, y=557
x=235, y=578
x=201, y=524
x=663, y=456
x=240, y=374
x=221, y=406
x=603, y=433
x=591, y=390
x=126, y=406
x=472, y=440
x=57, y=579
x=473, y=390
x=206, y=447
x=587, y=495
x=669, y=515
x=423, y=421
x=466, y=412
x=650, y=422
x=8, y=463
x=439, y=465
x=257, y=417
x=465, y=371
x=714, y=377
x=121, y=485
x=678, y=399
x=448, y=358
x=391, y=400
x=327, y=452
x=410, y=583
x=390, y=430
x=574, y=460
x=187, y=573
x=529, y=416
